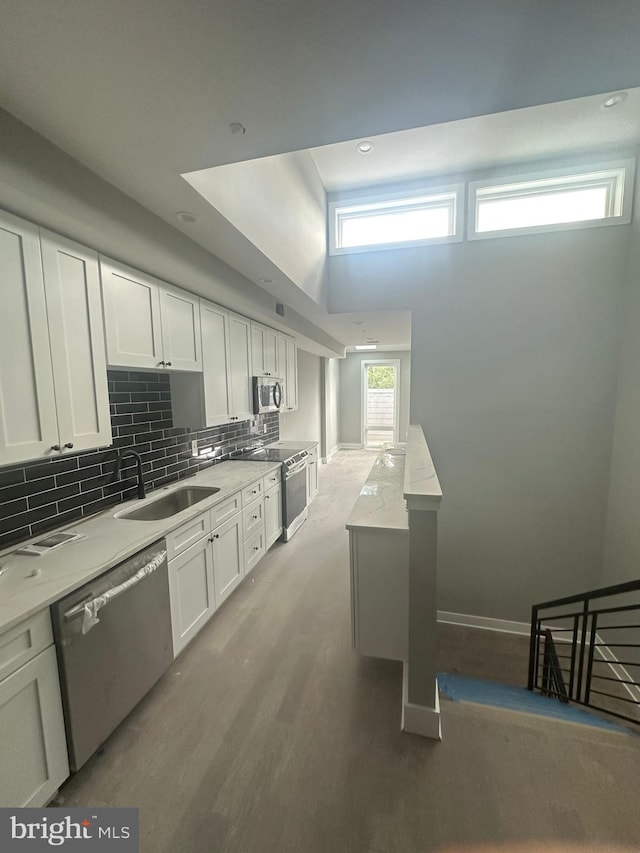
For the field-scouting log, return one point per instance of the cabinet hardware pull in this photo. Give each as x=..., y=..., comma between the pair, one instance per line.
x=55, y=447
x=215, y=536
x=168, y=364
x=268, y=497
x=256, y=548
x=254, y=516
x=161, y=364
x=69, y=445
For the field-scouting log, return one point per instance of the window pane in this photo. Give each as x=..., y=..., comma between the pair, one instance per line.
x=576, y=205
x=398, y=226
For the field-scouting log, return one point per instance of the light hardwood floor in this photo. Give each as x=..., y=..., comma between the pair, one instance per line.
x=269, y=734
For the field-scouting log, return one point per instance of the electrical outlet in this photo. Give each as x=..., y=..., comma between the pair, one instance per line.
x=194, y=447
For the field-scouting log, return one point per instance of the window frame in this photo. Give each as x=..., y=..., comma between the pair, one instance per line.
x=346, y=200
x=571, y=175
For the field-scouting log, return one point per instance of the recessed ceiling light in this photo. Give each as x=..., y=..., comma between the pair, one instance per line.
x=265, y=280
x=613, y=100
x=237, y=129
x=185, y=216
x=366, y=346
x=364, y=147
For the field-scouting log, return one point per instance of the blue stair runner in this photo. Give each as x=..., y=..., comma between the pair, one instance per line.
x=459, y=688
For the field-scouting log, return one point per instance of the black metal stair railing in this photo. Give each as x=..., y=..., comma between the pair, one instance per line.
x=586, y=649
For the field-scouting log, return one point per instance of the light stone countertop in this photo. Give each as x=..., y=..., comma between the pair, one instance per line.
x=293, y=446
x=380, y=505
x=421, y=485
x=109, y=541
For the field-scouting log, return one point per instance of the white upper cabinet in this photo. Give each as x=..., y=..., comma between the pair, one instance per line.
x=131, y=316
x=149, y=324
x=223, y=392
x=214, y=323
x=240, y=388
x=53, y=383
x=180, y=320
x=204, y=400
x=264, y=350
x=72, y=287
x=28, y=425
x=288, y=367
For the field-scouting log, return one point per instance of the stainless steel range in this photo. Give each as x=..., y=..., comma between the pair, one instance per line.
x=294, y=483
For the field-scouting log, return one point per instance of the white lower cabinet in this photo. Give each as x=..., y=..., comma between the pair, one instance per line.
x=33, y=746
x=273, y=515
x=203, y=575
x=379, y=562
x=228, y=557
x=312, y=474
x=191, y=590
x=254, y=549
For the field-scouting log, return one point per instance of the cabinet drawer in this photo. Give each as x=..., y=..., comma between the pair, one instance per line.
x=222, y=511
x=252, y=492
x=24, y=642
x=187, y=535
x=254, y=550
x=271, y=480
x=253, y=518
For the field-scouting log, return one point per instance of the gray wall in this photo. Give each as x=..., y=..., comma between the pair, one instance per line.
x=305, y=423
x=351, y=393
x=622, y=543
x=514, y=347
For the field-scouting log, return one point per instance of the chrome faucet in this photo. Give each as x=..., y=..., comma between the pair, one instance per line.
x=118, y=473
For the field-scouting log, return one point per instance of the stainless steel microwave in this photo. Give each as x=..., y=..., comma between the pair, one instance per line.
x=267, y=394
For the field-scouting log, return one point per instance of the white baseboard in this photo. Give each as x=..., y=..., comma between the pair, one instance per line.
x=326, y=459
x=486, y=622
x=343, y=446
x=418, y=719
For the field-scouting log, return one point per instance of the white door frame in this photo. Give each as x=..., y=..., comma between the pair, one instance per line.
x=395, y=362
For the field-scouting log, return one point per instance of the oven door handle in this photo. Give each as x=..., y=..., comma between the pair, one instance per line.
x=295, y=468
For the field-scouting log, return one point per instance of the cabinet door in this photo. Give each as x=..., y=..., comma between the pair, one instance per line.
x=214, y=323
x=282, y=371
x=180, y=316
x=240, y=368
x=228, y=557
x=72, y=287
x=292, y=375
x=257, y=349
x=191, y=591
x=28, y=425
x=312, y=480
x=132, y=316
x=270, y=352
x=33, y=747
x=273, y=515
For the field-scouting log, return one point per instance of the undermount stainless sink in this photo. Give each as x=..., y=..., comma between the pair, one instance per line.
x=170, y=504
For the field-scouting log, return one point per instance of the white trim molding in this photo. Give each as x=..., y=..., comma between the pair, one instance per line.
x=418, y=719
x=343, y=446
x=326, y=459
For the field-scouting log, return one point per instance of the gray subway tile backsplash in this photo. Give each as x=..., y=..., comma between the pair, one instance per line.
x=38, y=496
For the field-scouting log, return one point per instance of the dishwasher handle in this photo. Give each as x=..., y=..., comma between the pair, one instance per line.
x=91, y=607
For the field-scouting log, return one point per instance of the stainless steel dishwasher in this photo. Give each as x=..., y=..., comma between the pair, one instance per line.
x=113, y=640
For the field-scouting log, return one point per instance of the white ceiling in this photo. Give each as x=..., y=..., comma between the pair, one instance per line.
x=143, y=92
x=564, y=129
